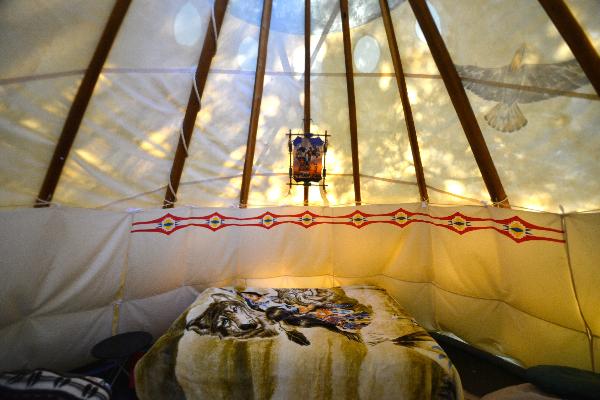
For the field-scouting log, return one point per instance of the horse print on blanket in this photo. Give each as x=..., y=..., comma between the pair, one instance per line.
x=267, y=313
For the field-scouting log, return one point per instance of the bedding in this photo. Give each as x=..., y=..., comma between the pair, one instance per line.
x=346, y=343
x=39, y=384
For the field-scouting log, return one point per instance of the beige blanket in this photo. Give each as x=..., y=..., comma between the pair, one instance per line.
x=350, y=343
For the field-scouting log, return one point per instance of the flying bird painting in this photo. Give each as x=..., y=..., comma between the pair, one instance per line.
x=506, y=116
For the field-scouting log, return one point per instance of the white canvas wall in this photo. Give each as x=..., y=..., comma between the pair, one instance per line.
x=68, y=272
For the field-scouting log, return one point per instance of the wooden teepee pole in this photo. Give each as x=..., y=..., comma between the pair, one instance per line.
x=209, y=49
x=578, y=42
x=408, y=116
x=256, y=100
x=351, y=99
x=461, y=103
x=306, y=78
x=80, y=103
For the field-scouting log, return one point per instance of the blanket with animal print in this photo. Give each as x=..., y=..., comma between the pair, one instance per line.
x=339, y=343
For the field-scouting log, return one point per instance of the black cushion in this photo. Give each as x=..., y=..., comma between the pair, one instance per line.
x=123, y=345
x=570, y=383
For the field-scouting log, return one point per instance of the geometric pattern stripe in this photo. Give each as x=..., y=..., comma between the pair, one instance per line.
x=514, y=227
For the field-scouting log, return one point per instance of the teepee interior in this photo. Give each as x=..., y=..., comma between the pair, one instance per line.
x=150, y=149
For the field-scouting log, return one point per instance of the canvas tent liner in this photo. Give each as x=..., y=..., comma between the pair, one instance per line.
x=496, y=278
x=149, y=73
x=84, y=274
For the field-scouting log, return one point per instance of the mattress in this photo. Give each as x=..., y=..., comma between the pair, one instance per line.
x=346, y=343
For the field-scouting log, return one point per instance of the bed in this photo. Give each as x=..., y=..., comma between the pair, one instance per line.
x=340, y=343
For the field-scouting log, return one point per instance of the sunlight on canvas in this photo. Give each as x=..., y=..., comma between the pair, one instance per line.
x=270, y=106
x=31, y=124
x=91, y=159
x=454, y=187
x=385, y=81
x=156, y=141
x=413, y=96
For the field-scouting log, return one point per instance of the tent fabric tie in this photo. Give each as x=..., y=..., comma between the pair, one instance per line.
x=588, y=331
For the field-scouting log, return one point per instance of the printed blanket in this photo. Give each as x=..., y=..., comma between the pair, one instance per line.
x=353, y=342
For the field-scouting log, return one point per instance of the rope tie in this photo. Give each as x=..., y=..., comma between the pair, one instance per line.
x=46, y=202
x=196, y=88
x=495, y=203
x=214, y=24
x=171, y=203
x=183, y=142
x=195, y=85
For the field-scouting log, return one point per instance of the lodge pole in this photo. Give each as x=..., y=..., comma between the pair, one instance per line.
x=256, y=100
x=401, y=82
x=80, y=103
x=461, y=103
x=351, y=99
x=576, y=39
x=306, y=78
x=209, y=49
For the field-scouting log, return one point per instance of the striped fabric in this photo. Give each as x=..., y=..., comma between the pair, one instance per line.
x=44, y=384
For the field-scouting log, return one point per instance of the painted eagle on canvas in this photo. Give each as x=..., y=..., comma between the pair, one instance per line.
x=506, y=116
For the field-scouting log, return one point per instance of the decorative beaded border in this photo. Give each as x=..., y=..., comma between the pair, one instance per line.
x=514, y=227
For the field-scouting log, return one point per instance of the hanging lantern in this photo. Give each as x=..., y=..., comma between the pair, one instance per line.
x=307, y=158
